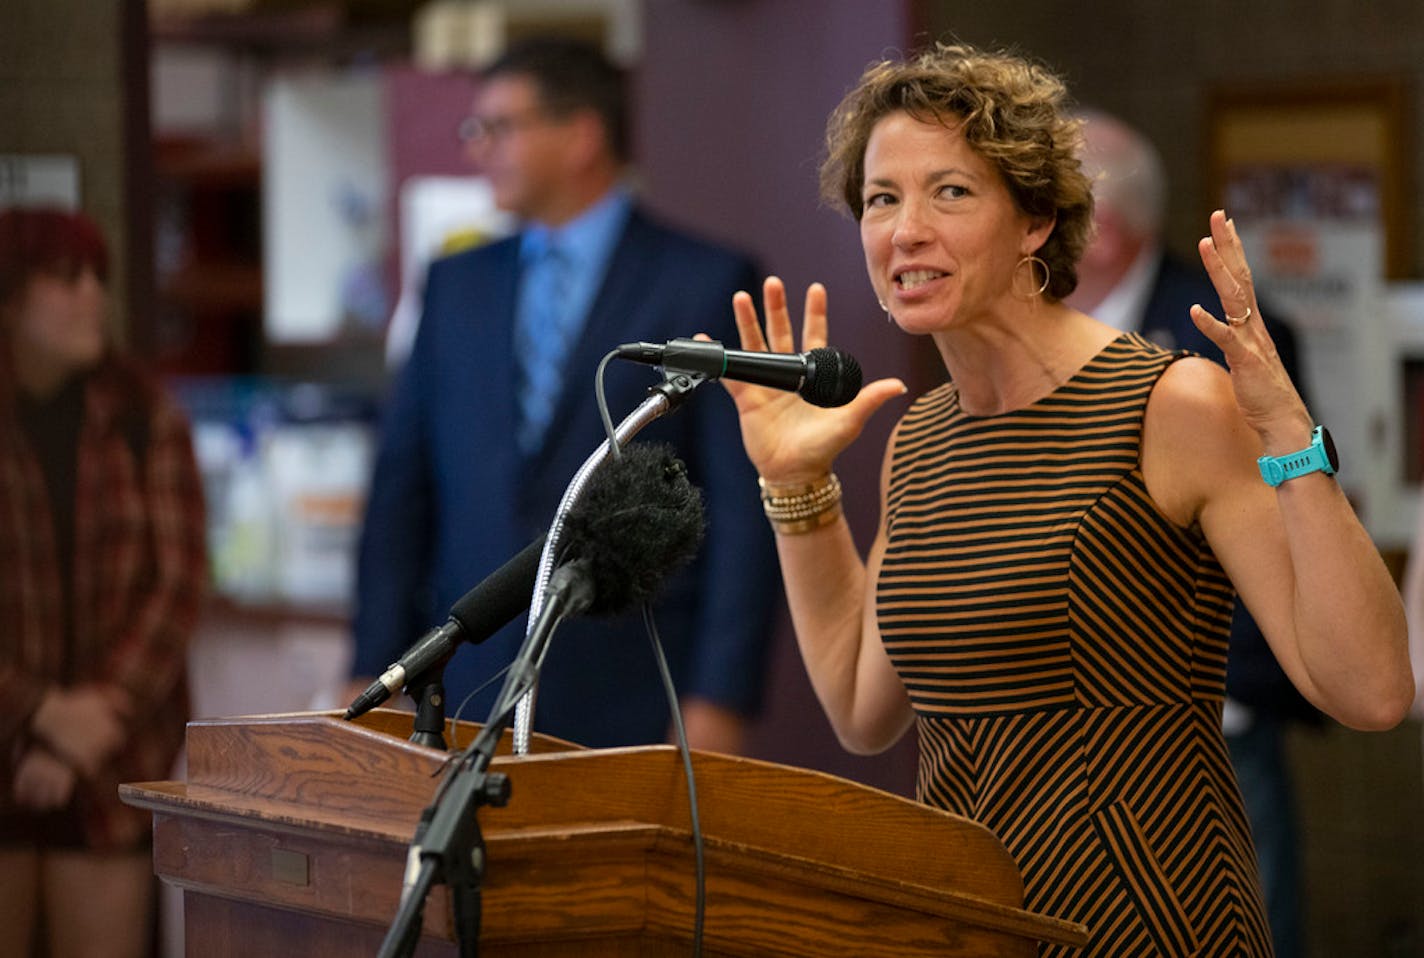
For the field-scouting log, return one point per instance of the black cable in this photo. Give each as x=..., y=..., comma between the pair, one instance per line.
x=700, y=894
x=651, y=626
x=466, y=700
x=602, y=399
x=502, y=708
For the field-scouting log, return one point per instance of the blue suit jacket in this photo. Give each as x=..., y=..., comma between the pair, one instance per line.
x=452, y=499
x=1253, y=677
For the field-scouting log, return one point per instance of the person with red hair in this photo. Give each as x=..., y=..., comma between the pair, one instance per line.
x=102, y=571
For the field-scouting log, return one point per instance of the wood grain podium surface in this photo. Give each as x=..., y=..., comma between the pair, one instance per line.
x=290, y=835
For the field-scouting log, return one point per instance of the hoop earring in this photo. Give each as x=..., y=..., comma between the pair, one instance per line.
x=1031, y=260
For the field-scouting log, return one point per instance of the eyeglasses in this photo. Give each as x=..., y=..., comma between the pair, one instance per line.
x=487, y=129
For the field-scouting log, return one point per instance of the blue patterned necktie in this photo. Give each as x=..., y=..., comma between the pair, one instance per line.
x=542, y=339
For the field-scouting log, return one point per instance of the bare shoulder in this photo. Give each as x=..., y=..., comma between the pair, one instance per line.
x=1193, y=387
x=1194, y=439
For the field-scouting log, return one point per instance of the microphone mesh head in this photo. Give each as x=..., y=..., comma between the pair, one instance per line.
x=832, y=377
x=638, y=519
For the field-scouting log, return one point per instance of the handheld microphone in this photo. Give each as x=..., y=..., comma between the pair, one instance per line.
x=825, y=376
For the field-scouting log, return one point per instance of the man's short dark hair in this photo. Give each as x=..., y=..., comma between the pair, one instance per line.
x=570, y=75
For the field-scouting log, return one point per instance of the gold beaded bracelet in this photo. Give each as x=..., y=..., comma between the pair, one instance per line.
x=802, y=507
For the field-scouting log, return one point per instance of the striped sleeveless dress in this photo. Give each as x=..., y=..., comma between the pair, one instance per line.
x=1064, y=648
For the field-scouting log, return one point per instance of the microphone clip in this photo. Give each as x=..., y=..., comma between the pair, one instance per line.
x=676, y=387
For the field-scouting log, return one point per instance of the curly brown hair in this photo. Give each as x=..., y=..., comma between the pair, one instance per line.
x=1010, y=110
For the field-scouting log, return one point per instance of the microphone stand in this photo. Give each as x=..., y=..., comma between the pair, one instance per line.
x=448, y=845
x=664, y=397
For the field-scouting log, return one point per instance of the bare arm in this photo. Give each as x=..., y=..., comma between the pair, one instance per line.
x=1297, y=554
x=828, y=587
x=1414, y=612
x=831, y=593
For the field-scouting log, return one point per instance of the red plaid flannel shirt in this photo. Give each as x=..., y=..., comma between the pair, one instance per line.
x=140, y=567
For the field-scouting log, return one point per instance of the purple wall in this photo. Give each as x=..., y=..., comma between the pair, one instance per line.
x=732, y=101
x=423, y=114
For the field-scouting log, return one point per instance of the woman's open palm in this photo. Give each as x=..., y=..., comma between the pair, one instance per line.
x=788, y=439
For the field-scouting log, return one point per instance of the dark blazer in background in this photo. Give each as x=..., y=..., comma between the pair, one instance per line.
x=452, y=499
x=1253, y=677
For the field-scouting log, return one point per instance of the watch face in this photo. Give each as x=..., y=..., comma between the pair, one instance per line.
x=1330, y=453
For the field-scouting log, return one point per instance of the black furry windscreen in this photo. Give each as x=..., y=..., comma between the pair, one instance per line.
x=637, y=520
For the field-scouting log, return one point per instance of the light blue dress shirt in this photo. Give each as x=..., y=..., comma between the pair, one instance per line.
x=561, y=271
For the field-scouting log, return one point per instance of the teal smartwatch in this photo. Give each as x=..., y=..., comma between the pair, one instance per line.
x=1319, y=456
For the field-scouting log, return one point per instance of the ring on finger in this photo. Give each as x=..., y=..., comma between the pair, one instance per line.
x=1239, y=320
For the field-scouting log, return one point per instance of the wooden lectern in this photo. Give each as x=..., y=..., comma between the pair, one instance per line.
x=289, y=837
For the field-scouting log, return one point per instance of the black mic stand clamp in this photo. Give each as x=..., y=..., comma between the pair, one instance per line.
x=675, y=388
x=428, y=691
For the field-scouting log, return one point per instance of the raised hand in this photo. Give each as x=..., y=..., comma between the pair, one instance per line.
x=787, y=439
x=1268, y=400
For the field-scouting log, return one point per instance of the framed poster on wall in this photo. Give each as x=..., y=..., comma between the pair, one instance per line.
x=1357, y=129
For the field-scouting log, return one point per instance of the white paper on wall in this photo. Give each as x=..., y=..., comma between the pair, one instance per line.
x=325, y=185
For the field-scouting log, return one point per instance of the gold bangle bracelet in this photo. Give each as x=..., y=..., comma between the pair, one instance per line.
x=796, y=505
x=795, y=489
x=796, y=527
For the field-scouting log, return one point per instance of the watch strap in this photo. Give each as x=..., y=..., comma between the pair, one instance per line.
x=1313, y=458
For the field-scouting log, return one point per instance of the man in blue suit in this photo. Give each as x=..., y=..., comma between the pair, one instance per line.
x=1128, y=279
x=495, y=411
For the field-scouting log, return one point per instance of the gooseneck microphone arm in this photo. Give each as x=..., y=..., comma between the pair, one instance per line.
x=663, y=398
